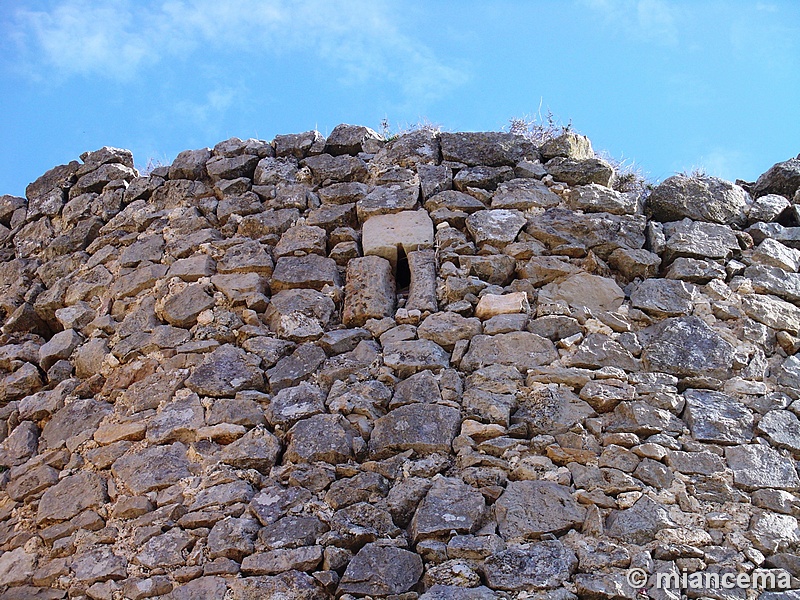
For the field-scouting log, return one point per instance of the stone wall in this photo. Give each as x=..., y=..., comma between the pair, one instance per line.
x=444, y=366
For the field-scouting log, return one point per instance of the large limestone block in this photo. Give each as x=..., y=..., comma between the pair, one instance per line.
x=518, y=349
x=529, y=509
x=383, y=234
x=369, y=292
x=582, y=289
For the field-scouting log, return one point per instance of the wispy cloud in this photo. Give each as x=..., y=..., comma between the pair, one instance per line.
x=119, y=39
x=653, y=21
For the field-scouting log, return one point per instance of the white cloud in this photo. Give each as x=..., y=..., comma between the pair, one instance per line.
x=652, y=21
x=118, y=39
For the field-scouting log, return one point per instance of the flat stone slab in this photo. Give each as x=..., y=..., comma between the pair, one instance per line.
x=383, y=234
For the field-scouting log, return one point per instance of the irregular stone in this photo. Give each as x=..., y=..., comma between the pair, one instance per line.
x=388, y=199
x=310, y=271
x=755, y=466
x=299, y=315
x=700, y=198
x=326, y=169
x=717, y=418
x=529, y=509
x=782, y=428
x=291, y=584
x=543, y=566
x=452, y=592
x=60, y=346
x=772, y=312
x=328, y=438
x=424, y=428
x=782, y=178
x=686, y=346
x=99, y=564
x=596, y=293
x=75, y=423
x=190, y=164
x=369, y=291
x=635, y=263
x=246, y=257
x=306, y=558
x=481, y=177
x=640, y=523
x=293, y=369
x=449, y=505
x=381, y=570
x=569, y=145
x=663, y=297
x=485, y=148
x=412, y=356
x=181, y=309
x=16, y=567
x=225, y=371
x=258, y=449
x=576, y=172
x=447, y=328
x=70, y=496
x=692, y=239
x=519, y=349
x=597, y=198
x=773, y=253
x=20, y=445
x=491, y=305
x=498, y=227
x=422, y=288
x=152, y=468
x=165, y=551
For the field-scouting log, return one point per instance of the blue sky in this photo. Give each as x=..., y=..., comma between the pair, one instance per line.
x=671, y=85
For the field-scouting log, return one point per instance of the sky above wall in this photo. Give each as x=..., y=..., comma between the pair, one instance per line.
x=669, y=85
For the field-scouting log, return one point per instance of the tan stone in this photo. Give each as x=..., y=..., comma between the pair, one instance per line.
x=491, y=305
x=382, y=234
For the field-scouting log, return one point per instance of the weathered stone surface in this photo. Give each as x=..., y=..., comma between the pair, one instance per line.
x=226, y=371
x=293, y=369
x=701, y=198
x=16, y=567
x=529, y=509
x=755, y=466
x=424, y=428
x=717, y=418
x=782, y=428
x=686, y=346
x=409, y=357
x=328, y=438
x=153, y=468
x=382, y=235
x=663, y=297
x=582, y=289
x=311, y=271
x=772, y=312
x=369, y=291
x=181, y=309
x=518, y=349
x=598, y=198
x=580, y=172
x=542, y=566
x=449, y=505
x=490, y=148
x=447, y=328
x=75, y=423
x=299, y=315
x=497, y=227
x=640, y=523
x=60, y=346
x=692, y=239
x=381, y=570
x=71, y=496
x=782, y=178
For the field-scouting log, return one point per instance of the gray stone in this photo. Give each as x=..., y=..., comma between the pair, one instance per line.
x=580, y=172
x=453, y=592
x=246, y=257
x=70, y=496
x=497, y=227
x=635, y=263
x=165, y=550
x=598, y=294
x=519, y=349
x=291, y=584
x=305, y=558
x=232, y=538
x=369, y=291
x=447, y=328
x=524, y=194
x=640, y=523
x=772, y=312
x=569, y=145
x=291, y=404
x=530, y=509
x=225, y=371
x=16, y=567
x=450, y=505
x=481, y=177
x=60, y=346
x=99, y=564
x=299, y=315
x=700, y=198
x=326, y=169
x=328, y=438
x=543, y=566
x=717, y=418
x=597, y=198
x=782, y=178
x=257, y=449
x=381, y=570
x=412, y=356
x=774, y=280
x=181, y=309
x=663, y=297
x=293, y=369
x=20, y=445
x=686, y=346
x=152, y=468
x=190, y=164
x=486, y=148
x=693, y=239
x=310, y=271
x=782, y=428
x=755, y=466
x=274, y=502
x=598, y=350
x=75, y=423
x=424, y=428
